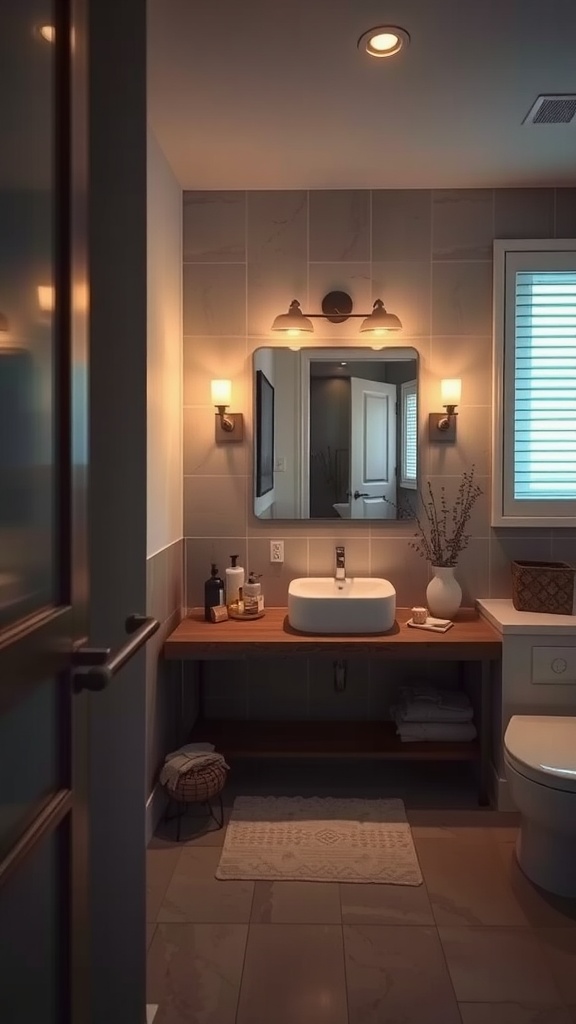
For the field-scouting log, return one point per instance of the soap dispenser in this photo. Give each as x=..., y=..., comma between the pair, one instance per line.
x=234, y=582
x=213, y=592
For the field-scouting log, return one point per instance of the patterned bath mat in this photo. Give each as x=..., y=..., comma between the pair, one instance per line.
x=319, y=839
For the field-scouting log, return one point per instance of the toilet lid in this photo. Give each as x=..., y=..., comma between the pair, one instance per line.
x=543, y=747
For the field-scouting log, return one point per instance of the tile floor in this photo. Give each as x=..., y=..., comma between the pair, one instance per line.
x=476, y=944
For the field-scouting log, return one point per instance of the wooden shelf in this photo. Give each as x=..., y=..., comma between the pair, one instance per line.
x=240, y=738
x=470, y=639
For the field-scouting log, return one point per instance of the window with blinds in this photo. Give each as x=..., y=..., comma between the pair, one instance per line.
x=409, y=435
x=545, y=386
x=534, y=395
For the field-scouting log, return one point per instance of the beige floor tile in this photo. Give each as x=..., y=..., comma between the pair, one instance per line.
x=513, y=1013
x=160, y=865
x=293, y=974
x=467, y=883
x=385, y=904
x=397, y=974
x=541, y=908
x=194, y=894
x=296, y=903
x=498, y=965
x=559, y=946
x=194, y=972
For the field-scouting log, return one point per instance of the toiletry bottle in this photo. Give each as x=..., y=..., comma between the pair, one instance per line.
x=253, y=599
x=213, y=592
x=234, y=582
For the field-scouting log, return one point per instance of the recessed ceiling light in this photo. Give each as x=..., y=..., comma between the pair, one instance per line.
x=383, y=41
x=48, y=32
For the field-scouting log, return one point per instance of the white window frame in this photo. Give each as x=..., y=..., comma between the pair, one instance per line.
x=410, y=387
x=511, y=255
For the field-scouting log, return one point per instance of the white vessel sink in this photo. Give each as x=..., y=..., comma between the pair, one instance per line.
x=322, y=604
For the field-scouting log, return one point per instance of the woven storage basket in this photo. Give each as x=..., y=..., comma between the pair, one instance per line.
x=543, y=587
x=201, y=784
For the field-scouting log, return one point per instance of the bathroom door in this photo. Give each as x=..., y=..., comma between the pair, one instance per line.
x=52, y=813
x=372, y=449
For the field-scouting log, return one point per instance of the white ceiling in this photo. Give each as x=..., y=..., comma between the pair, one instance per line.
x=275, y=94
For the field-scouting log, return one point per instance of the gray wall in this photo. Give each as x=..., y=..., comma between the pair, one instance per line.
x=428, y=254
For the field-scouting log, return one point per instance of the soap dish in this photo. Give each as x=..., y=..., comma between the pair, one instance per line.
x=432, y=625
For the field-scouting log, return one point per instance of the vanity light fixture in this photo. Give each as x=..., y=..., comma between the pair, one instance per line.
x=442, y=426
x=383, y=41
x=229, y=426
x=337, y=308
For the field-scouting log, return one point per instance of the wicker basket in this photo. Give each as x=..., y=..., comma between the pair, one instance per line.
x=543, y=587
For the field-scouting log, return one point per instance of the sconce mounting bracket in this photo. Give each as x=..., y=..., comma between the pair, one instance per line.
x=442, y=427
x=337, y=307
x=223, y=436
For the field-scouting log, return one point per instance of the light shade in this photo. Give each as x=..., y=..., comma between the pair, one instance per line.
x=380, y=321
x=383, y=41
x=451, y=391
x=221, y=391
x=46, y=297
x=4, y=325
x=293, y=322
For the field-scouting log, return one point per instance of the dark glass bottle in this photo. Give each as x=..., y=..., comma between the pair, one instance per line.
x=213, y=592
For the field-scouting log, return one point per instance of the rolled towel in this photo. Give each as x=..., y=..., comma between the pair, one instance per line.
x=191, y=748
x=416, y=732
x=181, y=763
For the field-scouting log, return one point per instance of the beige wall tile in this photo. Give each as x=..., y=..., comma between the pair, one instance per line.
x=339, y=225
x=565, y=213
x=275, y=578
x=277, y=226
x=471, y=362
x=462, y=298
x=214, y=227
x=202, y=457
x=462, y=224
x=401, y=224
x=214, y=297
x=524, y=213
x=214, y=506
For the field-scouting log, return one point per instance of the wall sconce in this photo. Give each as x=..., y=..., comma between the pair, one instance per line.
x=4, y=325
x=229, y=426
x=336, y=307
x=442, y=426
x=45, y=294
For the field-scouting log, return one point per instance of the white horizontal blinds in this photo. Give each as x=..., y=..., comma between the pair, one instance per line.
x=545, y=386
x=408, y=468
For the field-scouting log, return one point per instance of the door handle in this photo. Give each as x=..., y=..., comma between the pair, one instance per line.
x=358, y=494
x=95, y=666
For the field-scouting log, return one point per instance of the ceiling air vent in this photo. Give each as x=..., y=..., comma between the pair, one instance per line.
x=552, y=110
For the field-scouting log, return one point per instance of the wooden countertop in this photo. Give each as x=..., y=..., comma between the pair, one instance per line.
x=470, y=639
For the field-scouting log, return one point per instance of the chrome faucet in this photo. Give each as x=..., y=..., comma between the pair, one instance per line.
x=340, y=564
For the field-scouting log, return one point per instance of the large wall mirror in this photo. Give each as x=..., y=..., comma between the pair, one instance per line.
x=335, y=432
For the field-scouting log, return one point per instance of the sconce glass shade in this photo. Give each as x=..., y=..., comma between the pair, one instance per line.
x=294, y=321
x=46, y=298
x=379, y=320
x=451, y=391
x=221, y=391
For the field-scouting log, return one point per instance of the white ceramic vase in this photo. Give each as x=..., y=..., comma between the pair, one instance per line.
x=443, y=593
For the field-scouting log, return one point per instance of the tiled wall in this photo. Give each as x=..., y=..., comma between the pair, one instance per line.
x=170, y=706
x=428, y=254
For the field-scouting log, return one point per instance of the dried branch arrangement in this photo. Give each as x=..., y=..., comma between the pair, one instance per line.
x=441, y=530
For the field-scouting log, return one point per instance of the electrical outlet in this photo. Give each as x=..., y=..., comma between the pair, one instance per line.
x=276, y=550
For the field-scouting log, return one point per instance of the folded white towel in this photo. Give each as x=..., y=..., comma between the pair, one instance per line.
x=454, y=700
x=191, y=748
x=426, y=711
x=182, y=763
x=416, y=732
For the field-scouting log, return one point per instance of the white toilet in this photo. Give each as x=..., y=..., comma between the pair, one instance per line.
x=540, y=760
